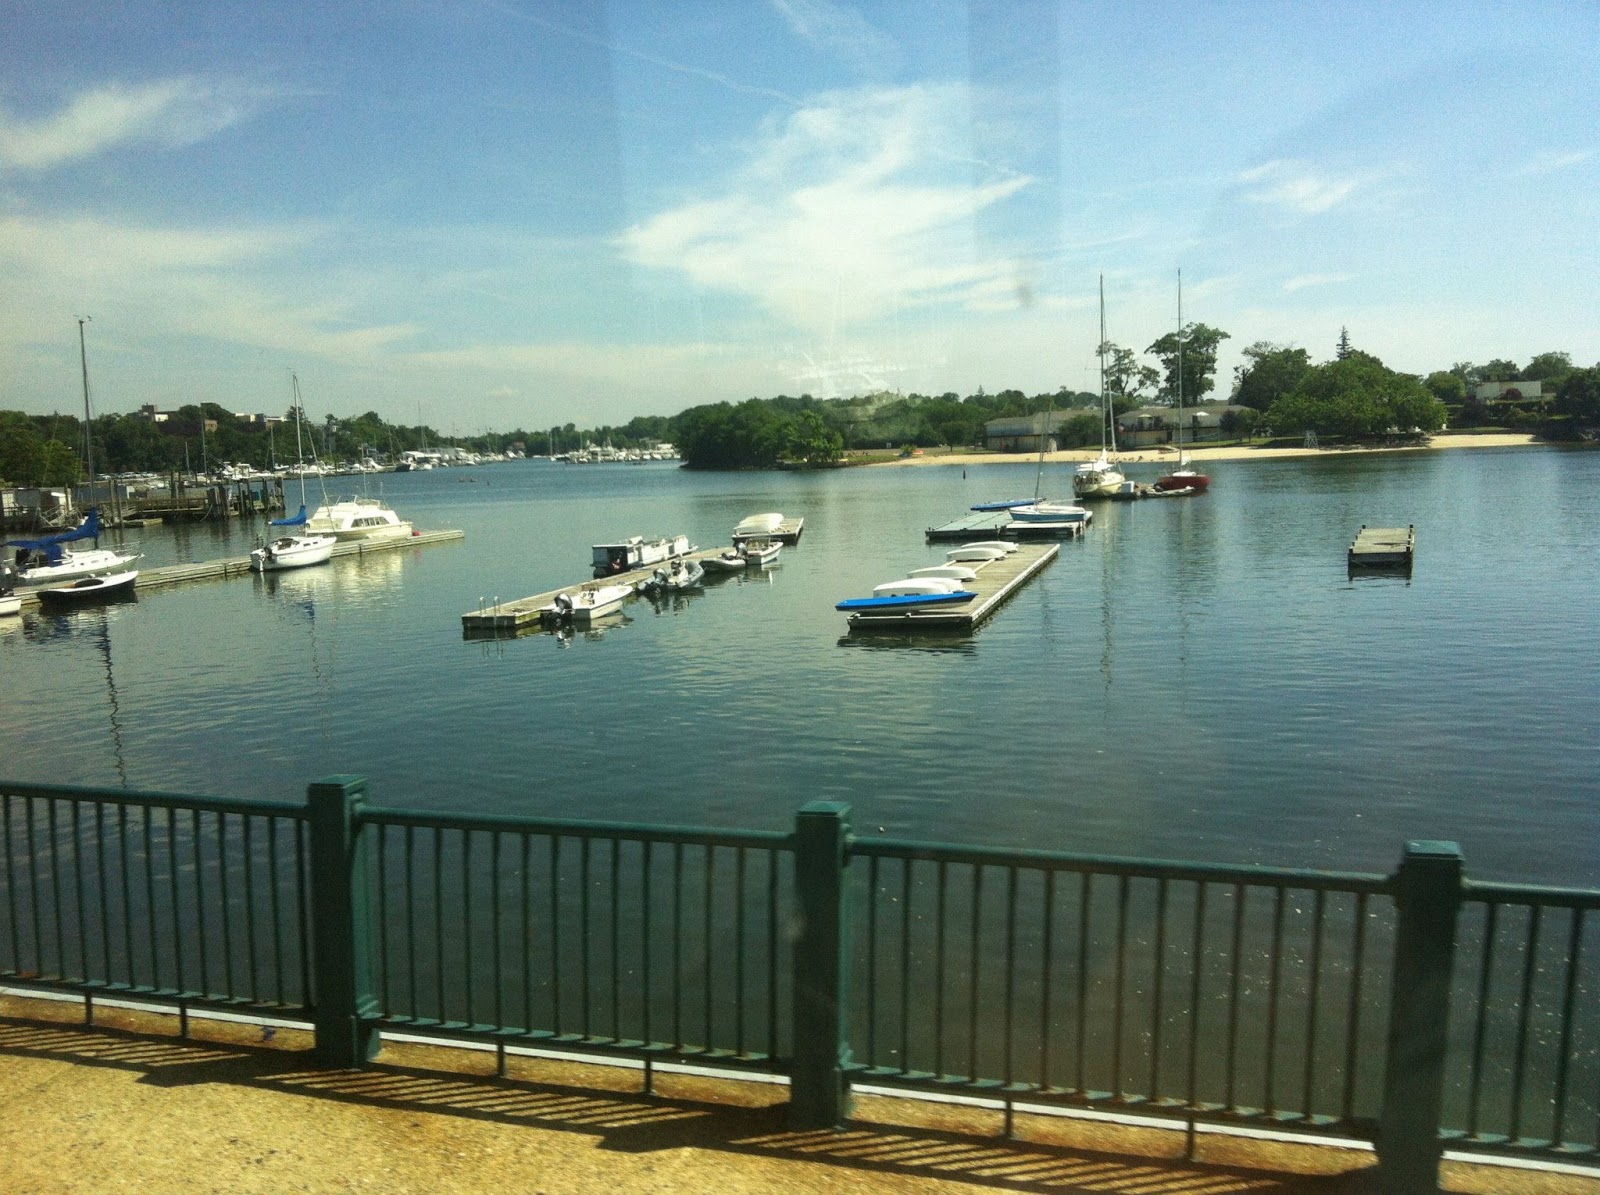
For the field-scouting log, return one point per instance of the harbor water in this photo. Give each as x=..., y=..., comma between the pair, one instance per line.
x=1195, y=678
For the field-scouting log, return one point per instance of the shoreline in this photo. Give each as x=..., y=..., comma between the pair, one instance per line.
x=1156, y=456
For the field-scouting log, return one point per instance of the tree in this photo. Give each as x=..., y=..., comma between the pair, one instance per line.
x=1578, y=397
x=1498, y=370
x=1342, y=350
x=1547, y=367
x=1359, y=398
x=1270, y=371
x=1447, y=386
x=1127, y=381
x=1198, y=360
x=811, y=440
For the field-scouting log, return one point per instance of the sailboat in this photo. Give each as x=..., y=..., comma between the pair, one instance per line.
x=293, y=550
x=1100, y=478
x=1183, y=479
x=1044, y=513
x=48, y=561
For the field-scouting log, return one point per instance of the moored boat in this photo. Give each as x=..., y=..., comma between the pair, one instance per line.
x=635, y=552
x=10, y=603
x=299, y=548
x=955, y=572
x=353, y=519
x=48, y=561
x=589, y=603
x=729, y=560
x=912, y=586
x=905, y=601
x=89, y=589
x=679, y=575
x=760, y=551
x=974, y=553
x=758, y=526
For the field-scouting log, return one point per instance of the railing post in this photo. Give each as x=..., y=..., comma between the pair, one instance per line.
x=819, y=1091
x=1428, y=899
x=341, y=887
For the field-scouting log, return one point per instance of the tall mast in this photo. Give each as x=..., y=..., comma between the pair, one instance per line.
x=1107, y=417
x=1180, y=366
x=88, y=420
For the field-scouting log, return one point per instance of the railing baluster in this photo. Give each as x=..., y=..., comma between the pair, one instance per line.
x=1269, y=1103
x=385, y=970
x=177, y=904
x=772, y=954
x=1307, y=1107
x=1231, y=1066
x=224, y=884
x=738, y=950
x=709, y=942
x=1519, y=1063
x=78, y=891
x=677, y=945
x=275, y=895
x=555, y=934
x=1156, y=988
x=1082, y=1012
x=1119, y=983
x=645, y=984
x=905, y=966
x=939, y=981
x=616, y=935
x=584, y=846
x=1353, y=1050
x=974, y=973
x=302, y=889
x=12, y=918
x=1481, y=1027
x=54, y=854
x=526, y=945
x=195, y=841
x=498, y=989
x=127, y=900
x=415, y=1007
x=247, y=850
x=105, y=890
x=872, y=962
x=441, y=1009
x=1197, y=954
x=469, y=1010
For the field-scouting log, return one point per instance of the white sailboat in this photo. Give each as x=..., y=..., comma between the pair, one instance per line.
x=293, y=550
x=1100, y=478
x=1183, y=479
x=1042, y=514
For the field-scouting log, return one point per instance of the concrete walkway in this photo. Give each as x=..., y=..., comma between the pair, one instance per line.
x=127, y=1105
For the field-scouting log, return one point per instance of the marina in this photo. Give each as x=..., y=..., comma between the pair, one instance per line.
x=994, y=582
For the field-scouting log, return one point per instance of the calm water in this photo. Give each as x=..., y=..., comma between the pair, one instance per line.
x=1196, y=678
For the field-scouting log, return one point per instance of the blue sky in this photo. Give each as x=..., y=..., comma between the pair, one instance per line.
x=522, y=214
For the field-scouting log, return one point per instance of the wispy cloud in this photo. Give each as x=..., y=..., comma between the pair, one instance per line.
x=1293, y=185
x=1304, y=281
x=170, y=113
x=840, y=31
x=846, y=211
x=1553, y=160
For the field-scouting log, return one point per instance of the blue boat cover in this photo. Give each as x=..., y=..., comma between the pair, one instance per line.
x=51, y=545
x=1007, y=505
x=891, y=601
x=298, y=520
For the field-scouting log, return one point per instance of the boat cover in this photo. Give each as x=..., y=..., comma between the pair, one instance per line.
x=298, y=520
x=51, y=545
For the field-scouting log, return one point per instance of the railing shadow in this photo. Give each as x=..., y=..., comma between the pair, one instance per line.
x=894, y=1140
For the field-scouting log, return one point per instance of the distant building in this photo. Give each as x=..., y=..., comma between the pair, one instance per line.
x=1022, y=433
x=1158, y=425
x=1509, y=391
x=148, y=411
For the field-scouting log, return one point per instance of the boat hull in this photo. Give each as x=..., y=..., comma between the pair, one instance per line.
x=292, y=552
x=905, y=601
x=1196, y=482
x=89, y=589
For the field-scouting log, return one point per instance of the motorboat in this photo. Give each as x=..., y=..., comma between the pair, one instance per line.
x=89, y=589
x=730, y=560
x=974, y=553
x=637, y=552
x=48, y=561
x=681, y=574
x=10, y=603
x=760, y=526
x=352, y=519
x=589, y=603
x=292, y=551
x=955, y=572
x=760, y=551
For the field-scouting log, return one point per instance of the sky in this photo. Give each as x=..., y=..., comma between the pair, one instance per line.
x=505, y=214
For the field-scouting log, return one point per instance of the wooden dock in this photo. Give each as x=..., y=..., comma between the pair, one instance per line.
x=232, y=566
x=1392, y=548
x=788, y=532
x=495, y=619
x=997, y=581
x=997, y=524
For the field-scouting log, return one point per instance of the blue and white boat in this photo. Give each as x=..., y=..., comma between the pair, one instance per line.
x=48, y=561
x=906, y=601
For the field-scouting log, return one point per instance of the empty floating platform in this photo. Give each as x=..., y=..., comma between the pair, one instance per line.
x=788, y=532
x=998, y=524
x=1390, y=548
x=997, y=580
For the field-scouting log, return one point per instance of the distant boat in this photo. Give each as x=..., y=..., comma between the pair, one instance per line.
x=1100, y=478
x=89, y=589
x=357, y=519
x=1183, y=479
x=293, y=551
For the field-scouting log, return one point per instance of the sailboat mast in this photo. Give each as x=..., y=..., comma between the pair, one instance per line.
x=299, y=452
x=88, y=418
x=1107, y=415
x=1180, y=366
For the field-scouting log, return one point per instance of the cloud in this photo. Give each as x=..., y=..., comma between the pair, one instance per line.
x=840, y=31
x=1552, y=160
x=171, y=113
x=1302, y=281
x=1290, y=184
x=844, y=212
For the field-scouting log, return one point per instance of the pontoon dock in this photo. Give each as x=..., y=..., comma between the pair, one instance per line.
x=998, y=524
x=1391, y=548
x=997, y=580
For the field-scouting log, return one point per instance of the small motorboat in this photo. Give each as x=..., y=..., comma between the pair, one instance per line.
x=681, y=575
x=10, y=603
x=760, y=551
x=730, y=560
x=90, y=589
x=589, y=603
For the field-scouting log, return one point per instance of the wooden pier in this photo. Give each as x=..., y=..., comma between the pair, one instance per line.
x=997, y=524
x=495, y=619
x=997, y=580
x=232, y=566
x=1391, y=548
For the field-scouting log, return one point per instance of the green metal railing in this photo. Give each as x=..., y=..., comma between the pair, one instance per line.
x=1414, y=1010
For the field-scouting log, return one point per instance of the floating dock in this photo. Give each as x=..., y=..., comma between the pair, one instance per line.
x=231, y=566
x=1392, y=548
x=788, y=532
x=497, y=619
x=997, y=580
x=996, y=525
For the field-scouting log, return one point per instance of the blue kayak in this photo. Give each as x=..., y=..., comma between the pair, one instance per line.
x=1001, y=505
x=903, y=600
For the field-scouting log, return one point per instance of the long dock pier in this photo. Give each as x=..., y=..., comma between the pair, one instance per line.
x=232, y=566
x=1392, y=548
x=997, y=580
x=496, y=618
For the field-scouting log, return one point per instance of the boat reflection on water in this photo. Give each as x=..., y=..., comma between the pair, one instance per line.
x=958, y=643
x=566, y=634
x=362, y=580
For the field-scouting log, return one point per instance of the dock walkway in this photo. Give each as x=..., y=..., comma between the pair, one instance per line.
x=997, y=580
x=232, y=566
x=498, y=618
x=1383, y=547
x=997, y=524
